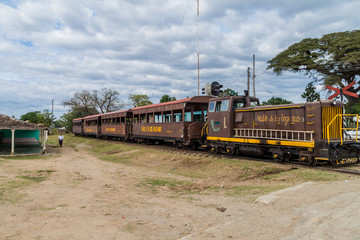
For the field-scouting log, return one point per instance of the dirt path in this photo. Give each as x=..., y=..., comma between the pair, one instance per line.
x=85, y=198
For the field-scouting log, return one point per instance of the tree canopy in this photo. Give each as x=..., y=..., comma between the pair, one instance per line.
x=45, y=117
x=228, y=92
x=333, y=59
x=167, y=98
x=310, y=95
x=138, y=100
x=94, y=102
x=276, y=101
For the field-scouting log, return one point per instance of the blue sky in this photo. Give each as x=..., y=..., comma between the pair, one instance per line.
x=52, y=49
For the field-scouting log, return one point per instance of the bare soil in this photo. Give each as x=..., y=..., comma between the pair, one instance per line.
x=86, y=198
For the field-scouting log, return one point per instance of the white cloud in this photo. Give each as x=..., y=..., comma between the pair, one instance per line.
x=52, y=49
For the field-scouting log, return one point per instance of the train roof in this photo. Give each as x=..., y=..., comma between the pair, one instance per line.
x=119, y=112
x=92, y=116
x=177, y=104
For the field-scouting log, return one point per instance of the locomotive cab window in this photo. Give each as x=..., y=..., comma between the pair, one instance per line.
x=212, y=107
x=224, y=105
x=239, y=103
x=254, y=103
x=218, y=106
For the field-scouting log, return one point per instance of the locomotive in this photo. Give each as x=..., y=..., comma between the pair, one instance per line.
x=308, y=132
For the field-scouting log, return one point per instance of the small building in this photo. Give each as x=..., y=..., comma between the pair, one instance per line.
x=21, y=137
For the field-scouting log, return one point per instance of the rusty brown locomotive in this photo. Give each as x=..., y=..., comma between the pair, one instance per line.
x=308, y=132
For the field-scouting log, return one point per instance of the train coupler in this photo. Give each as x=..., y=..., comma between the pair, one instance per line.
x=345, y=154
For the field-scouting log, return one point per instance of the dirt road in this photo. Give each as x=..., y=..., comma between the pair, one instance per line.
x=86, y=198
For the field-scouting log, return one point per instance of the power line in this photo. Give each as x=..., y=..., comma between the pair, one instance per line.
x=172, y=44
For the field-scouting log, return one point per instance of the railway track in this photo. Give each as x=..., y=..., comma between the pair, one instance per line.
x=349, y=169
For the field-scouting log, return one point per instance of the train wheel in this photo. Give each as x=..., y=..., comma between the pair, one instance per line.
x=311, y=162
x=235, y=152
x=194, y=146
x=179, y=145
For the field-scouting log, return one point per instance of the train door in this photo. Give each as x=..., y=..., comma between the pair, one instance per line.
x=219, y=118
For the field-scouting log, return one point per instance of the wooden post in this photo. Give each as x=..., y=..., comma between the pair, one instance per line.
x=45, y=140
x=12, y=141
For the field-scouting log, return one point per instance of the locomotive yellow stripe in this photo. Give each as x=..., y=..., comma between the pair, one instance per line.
x=258, y=141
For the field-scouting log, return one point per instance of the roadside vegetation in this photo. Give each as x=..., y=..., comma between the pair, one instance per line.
x=199, y=173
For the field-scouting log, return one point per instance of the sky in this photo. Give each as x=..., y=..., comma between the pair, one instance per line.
x=51, y=49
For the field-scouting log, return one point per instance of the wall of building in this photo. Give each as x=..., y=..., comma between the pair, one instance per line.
x=21, y=136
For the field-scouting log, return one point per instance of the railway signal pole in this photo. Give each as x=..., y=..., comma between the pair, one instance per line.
x=198, y=47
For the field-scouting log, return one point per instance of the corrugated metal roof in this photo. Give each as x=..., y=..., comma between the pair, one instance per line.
x=7, y=122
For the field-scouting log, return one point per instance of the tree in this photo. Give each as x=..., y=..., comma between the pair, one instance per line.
x=228, y=92
x=66, y=119
x=82, y=102
x=167, y=98
x=94, y=102
x=107, y=100
x=276, y=101
x=32, y=117
x=45, y=117
x=310, y=95
x=138, y=100
x=333, y=59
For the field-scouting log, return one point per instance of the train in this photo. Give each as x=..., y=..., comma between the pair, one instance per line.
x=311, y=133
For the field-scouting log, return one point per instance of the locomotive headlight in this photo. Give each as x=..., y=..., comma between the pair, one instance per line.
x=334, y=102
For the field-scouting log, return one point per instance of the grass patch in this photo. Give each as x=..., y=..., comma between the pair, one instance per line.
x=238, y=177
x=30, y=157
x=306, y=175
x=69, y=140
x=176, y=186
x=9, y=188
x=241, y=191
x=128, y=228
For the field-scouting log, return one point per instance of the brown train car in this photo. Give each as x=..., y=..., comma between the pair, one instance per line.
x=237, y=125
x=77, y=128
x=179, y=121
x=92, y=125
x=116, y=124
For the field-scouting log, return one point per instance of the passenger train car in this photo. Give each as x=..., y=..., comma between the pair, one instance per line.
x=308, y=132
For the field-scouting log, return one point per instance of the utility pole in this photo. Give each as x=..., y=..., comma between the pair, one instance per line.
x=52, y=108
x=254, y=74
x=248, y=80
x=198, y=46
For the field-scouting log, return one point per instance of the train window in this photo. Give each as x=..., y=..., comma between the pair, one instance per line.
x=218, y=106
x=239, y=103
x=177, y=117
x=150, y=118
x=158, y=117
x=136, y=118
x=254, y=103
x=143, y=118
x=118, y=121
x=122, y=120
x=197, y=116
x=187, y=117
x=167, y=117
x=225, y=105
x=212, y=107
